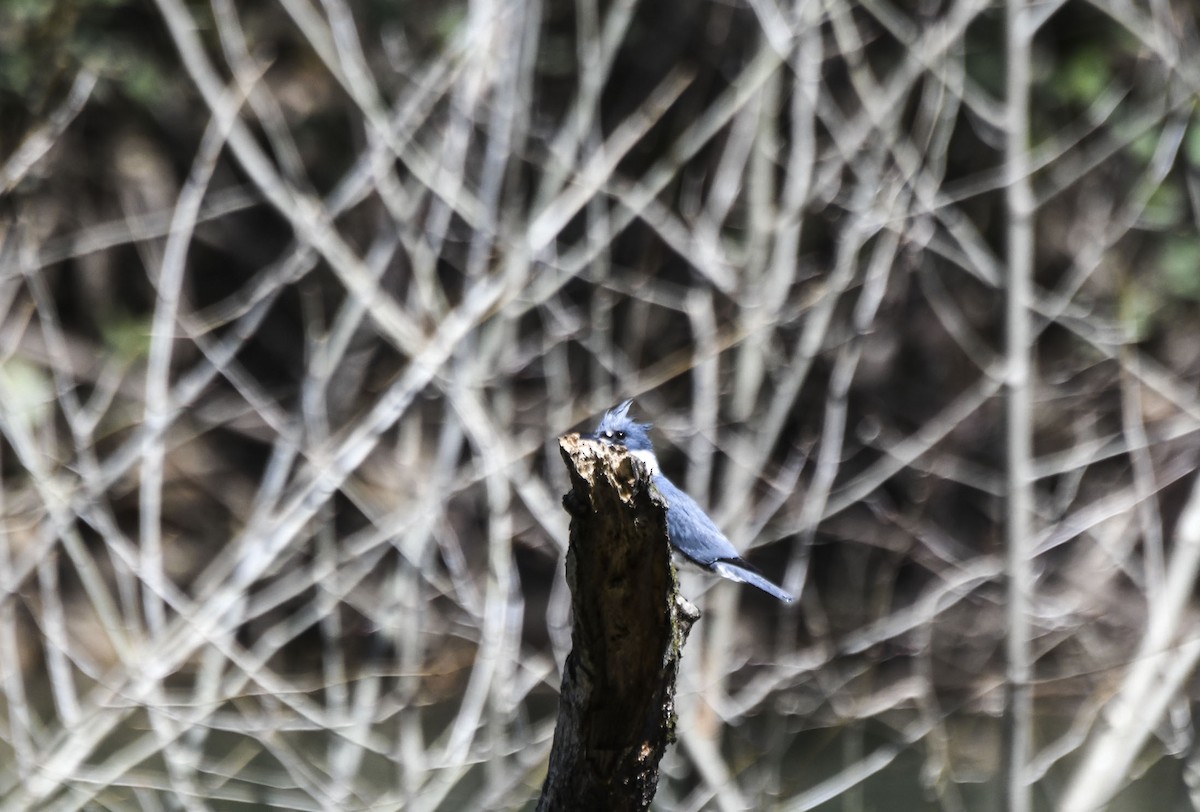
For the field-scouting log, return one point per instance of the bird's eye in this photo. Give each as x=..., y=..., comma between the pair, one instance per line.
x=620, y=435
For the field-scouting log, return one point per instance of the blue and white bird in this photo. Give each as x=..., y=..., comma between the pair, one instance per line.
x=691, y=532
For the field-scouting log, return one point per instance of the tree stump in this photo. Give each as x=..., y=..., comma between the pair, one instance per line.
x=616, y=712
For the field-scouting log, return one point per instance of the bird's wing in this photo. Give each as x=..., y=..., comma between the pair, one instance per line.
x=692, y=532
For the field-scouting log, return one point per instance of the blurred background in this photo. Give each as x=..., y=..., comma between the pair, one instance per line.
x=296, y=297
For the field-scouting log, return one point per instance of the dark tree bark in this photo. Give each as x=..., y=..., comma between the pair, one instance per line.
x=616, y=712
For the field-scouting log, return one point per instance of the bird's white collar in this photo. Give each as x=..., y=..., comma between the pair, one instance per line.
x=648, y=459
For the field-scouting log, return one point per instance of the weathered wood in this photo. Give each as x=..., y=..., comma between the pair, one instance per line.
x=616, y=712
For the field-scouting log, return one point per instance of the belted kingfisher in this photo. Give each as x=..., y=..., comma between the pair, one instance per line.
x=691, y=532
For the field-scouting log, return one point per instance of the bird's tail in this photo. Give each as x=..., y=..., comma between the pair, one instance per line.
x=743, y=573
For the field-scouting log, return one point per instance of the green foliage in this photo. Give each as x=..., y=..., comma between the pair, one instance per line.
x=1138, y=306
x=1166, y=207
x=27, y=392
x=1191, y=142
x=128, y=337
x=1179, y=266
x=42, y=45
x=1157, y=300
x=1085, y=75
